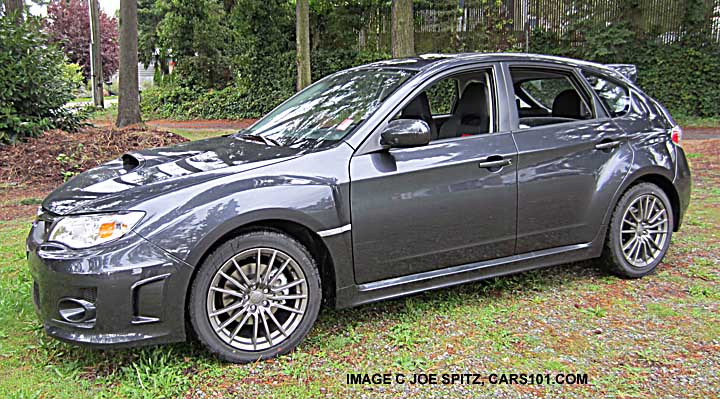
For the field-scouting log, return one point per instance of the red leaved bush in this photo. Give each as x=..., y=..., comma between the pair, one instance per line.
x=68, y=24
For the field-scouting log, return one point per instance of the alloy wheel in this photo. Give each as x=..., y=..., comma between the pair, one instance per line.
x=644, y=230
x=257, y=299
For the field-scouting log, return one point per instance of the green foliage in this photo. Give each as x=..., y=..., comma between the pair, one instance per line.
x=236, y=59
x=266, y=59
x=166, y=101
x=71, y=162
x=685, y=79
x=196, y=35
x=73, y=73
x=35, y=82
x=684, y=75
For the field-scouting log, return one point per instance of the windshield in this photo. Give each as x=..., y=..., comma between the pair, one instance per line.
x=329, y=110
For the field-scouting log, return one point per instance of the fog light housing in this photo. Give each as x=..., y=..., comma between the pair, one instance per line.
x=74, y=310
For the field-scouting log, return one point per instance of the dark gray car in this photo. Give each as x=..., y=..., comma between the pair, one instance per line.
x=375, y=182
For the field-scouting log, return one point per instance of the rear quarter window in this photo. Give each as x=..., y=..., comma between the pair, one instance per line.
x=614, y=95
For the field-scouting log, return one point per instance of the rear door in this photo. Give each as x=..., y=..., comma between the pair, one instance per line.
x=571, y=160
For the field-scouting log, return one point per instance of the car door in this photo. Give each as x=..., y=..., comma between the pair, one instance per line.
x=448, y=203
x=570, y=162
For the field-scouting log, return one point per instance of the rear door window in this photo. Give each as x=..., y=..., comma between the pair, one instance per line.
x=545, y=96
x=545, y=91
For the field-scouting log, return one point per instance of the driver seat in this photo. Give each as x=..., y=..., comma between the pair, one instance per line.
x=419, y=108
x=471, y=115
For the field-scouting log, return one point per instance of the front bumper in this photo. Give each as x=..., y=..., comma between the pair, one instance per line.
x=136, y=289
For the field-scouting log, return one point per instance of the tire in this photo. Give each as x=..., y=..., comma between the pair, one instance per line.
x=240, y=312
x=631, y=251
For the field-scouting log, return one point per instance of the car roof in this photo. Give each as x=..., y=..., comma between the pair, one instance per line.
x=426, y=62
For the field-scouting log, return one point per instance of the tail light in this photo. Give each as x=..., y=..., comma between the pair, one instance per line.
x=676, y=134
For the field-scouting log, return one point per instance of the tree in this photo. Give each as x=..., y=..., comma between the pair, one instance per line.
x=403, y=29
x=128, y=96
x=68, y=25
x=302, y=35
x=14, y=8
x=195, y=34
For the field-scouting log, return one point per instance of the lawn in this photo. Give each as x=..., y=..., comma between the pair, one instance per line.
x=653, y=337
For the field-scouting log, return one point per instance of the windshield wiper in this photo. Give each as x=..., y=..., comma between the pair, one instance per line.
x=255, y=137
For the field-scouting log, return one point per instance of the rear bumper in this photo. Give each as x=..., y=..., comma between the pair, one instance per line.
x=683, y=184
x=136, y=292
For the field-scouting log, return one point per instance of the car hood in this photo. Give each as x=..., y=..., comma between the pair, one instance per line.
x=135, y=176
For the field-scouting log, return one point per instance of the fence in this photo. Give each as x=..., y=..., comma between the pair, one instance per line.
x=453, y=21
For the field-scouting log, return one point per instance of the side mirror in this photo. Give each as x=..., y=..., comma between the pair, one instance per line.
x=405, y=133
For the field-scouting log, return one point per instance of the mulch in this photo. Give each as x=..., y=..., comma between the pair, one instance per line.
x=33, y=168
x=194, y=124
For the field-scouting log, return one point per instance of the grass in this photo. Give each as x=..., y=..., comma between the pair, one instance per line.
x=653, y=337
x=89, y=99
x=698, y=121
x=107, y=115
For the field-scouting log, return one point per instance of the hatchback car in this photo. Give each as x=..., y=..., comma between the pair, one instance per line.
x=375, y=182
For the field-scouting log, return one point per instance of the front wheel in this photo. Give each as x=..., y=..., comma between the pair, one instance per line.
x=255, y=297
x=640, y=232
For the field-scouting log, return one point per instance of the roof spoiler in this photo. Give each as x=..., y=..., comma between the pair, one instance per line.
x=627, y=70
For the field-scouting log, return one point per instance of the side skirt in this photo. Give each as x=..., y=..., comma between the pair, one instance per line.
x=360, y=294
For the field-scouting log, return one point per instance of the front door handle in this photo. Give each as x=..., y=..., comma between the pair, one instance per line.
x=607, y=145
x=498, y=163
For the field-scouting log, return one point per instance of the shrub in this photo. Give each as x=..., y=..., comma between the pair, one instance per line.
x=35, y=82
x=167, y=101
x=685, y=79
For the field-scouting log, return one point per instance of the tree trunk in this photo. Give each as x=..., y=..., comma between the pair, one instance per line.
x=129, y=94
x=96, y=72
x=14, y=8
x=302, y=34
x=403, y=29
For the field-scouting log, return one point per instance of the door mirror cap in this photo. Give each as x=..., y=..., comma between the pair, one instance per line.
x=403, y=133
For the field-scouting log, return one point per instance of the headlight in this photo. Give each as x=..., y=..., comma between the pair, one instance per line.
x=90, y=230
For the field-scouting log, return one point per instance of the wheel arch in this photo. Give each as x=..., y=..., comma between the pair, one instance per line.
x=659, y=177
x=293, y=227
x=669, y=189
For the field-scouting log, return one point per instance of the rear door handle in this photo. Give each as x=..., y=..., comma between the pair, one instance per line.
x=495, y=164
x=607, y=145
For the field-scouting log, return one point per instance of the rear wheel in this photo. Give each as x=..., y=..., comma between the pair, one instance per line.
x=640, y=232
x=256, y=296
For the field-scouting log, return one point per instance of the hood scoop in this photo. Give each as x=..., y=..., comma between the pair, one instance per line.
x=131, y=162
